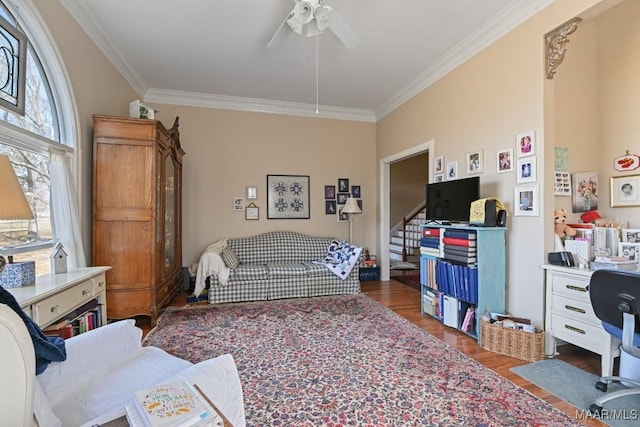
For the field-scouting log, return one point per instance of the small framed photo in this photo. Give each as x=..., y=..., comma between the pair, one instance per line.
x=631, y=235
x=625, y=191
x=252, y=212
x=330, y=192
x=526, y=144
x=629, y=251
x=526, y=170
x=452, y=170
x=330, y=207
x=342, y=216
x=504, y=160
x=585, y=192
x=238, y=204
x=438, y=165
x=475, y=161
x=342, y=198
x=526, y=201
x=343, y=185
x=355, y=191
x=562, y=183
x=439, y=177
x=252, y=193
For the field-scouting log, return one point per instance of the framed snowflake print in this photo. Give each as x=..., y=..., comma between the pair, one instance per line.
x=288, y=197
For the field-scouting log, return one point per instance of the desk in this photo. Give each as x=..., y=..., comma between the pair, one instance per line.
x=56, y=295
x=570, y=317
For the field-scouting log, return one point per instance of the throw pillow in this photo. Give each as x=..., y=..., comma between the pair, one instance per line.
x=230, y=258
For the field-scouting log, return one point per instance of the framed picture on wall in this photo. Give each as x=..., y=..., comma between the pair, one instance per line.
x=526, y=144
x=475, y=161
x=330, y=192
x=526, y=201
x=585, y=192
x=526, y=170
x=288, y=197
x=504, y=160
x=625, y=191
x=438, y=164
x=452, y=170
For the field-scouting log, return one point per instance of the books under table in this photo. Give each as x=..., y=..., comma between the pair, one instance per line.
x=174, y=405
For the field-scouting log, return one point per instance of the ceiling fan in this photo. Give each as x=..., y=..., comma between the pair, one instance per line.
x=310, y=18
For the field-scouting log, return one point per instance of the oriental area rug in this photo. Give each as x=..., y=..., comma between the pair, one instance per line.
x=346, y=361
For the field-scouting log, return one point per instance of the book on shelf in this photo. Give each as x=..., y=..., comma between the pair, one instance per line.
x=427, y=232
x=458, y=242
x=174, y=405
x=460, y=234
x=459, y=250
x=464, y=259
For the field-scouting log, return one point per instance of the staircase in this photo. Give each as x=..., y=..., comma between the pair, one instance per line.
x=412, y=239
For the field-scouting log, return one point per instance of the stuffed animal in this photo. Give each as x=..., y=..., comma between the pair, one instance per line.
x=560, y=224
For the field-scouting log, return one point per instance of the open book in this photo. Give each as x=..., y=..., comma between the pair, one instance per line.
x=174, y=405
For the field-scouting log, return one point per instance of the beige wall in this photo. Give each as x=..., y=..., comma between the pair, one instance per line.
x=483, y=104
x=407, y=186
x=226, y=151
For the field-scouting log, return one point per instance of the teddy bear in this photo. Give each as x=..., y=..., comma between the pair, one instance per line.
x=560, y=224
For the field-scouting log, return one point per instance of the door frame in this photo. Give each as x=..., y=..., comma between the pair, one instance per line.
x=385, y=175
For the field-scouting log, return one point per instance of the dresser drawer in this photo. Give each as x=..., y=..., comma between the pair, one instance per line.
x=571, y=286
x=60, y=304
x=99, y=284
x=575, y=309
x=586, y=335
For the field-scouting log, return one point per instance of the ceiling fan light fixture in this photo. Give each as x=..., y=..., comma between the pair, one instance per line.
x=321, y=16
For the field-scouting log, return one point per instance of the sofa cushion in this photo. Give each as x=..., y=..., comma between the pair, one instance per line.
x=230, y=258
x=249, y=272
x=314, y=269
x=280, y=247
x=281, y=270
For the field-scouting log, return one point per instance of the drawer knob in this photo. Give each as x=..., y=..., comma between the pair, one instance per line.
x=86, y=292
x=55, y=309
x=574, y=329
x=576, y=309
x=576, y=288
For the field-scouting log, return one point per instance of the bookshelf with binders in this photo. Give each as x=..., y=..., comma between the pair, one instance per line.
x=462, y=274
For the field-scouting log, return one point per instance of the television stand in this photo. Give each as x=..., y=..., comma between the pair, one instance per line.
x=438, y=222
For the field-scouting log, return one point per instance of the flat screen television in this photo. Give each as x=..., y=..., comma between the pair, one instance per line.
x=450, y=201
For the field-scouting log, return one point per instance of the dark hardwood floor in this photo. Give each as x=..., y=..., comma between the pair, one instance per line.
x=405, y=301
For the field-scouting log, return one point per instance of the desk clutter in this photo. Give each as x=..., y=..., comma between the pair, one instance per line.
x=602, y=244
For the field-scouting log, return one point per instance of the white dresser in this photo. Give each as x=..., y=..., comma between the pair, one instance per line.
x=56, y=295
x=570, y=317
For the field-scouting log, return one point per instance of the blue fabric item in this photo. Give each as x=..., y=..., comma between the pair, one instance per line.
x=617, y=332
x=47, y=349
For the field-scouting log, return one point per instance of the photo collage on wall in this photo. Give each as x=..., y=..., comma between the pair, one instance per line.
x=335, y=196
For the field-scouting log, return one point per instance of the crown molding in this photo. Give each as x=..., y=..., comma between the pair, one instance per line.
x=509, y=18
x=193, y=99
x=83, y=16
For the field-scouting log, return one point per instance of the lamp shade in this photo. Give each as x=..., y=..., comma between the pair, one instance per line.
x=351, y=206
x=13, y=203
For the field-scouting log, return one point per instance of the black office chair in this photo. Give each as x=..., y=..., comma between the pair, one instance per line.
x=615, y=297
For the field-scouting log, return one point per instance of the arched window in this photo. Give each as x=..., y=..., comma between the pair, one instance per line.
x=37, y=129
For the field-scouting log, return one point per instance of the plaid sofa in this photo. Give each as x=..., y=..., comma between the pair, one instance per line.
x=278, y=264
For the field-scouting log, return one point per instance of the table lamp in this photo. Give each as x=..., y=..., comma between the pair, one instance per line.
x=351, y=207
x=13, y=203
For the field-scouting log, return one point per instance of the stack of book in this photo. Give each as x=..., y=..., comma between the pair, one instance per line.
x=430, y=242
x=174, y=405
x=460, y=246
x=83, y=319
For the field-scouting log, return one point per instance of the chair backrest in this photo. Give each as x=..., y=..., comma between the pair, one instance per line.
x=17, y=370
x=611, y=292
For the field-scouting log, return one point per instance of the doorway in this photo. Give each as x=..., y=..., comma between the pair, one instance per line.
x=385, y=184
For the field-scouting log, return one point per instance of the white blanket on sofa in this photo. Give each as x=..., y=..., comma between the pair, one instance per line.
x=341, y=258
x=211, y=263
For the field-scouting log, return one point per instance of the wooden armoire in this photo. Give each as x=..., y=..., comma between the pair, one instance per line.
x=137, y=214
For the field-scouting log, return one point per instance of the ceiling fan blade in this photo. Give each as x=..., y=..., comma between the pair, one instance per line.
x=283, y=32
x=342, y=30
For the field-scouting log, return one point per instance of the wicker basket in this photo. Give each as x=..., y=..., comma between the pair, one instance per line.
x=512, y=342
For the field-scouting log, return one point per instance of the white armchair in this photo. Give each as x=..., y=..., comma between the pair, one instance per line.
x=103, y=369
